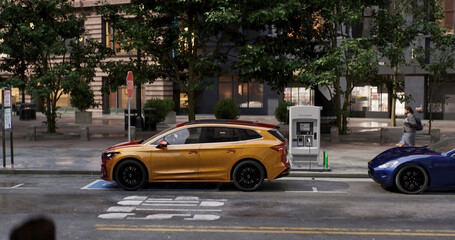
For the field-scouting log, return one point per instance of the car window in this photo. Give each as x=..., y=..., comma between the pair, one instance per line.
x=223, y=134
x=278, y=135
x=251, y=134
x=183, y=136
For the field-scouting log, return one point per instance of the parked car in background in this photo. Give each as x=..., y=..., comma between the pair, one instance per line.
x=414, y=169
x=243, y=152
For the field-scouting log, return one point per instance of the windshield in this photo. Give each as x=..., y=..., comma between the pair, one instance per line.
x=159, y=133
x=443, y=145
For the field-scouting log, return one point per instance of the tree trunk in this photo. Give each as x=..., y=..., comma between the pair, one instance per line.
x=191, y=106
x=393, y=122
x=51, y=115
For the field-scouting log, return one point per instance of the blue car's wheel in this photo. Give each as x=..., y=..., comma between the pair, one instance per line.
x=411, y=179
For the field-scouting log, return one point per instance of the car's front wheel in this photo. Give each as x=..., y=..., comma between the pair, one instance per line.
x=130, y=175
x=411, y=179
x=248, y=176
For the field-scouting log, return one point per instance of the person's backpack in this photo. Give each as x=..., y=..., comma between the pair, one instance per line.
x=418, y=126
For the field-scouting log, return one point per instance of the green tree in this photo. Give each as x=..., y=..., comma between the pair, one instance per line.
x=16, y=45
x=439, y=57
x=340, y=56
x=280, y=40
x=396, y=27
x=189, y=42
x=55, y=50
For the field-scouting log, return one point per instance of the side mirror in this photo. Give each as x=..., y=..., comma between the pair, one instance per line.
x=162, y=144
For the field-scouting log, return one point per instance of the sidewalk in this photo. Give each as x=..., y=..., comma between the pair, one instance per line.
x=65, y=153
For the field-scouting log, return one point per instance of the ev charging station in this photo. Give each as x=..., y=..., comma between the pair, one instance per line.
x=304, y=144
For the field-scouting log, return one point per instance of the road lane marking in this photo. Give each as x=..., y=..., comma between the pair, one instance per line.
x=322, y=192
x=14, y=187
x=281, y=230
x=328, y=179
x=178, y=210
x=188, y=208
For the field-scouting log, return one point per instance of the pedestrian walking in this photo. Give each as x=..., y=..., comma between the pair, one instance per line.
x=409, y=128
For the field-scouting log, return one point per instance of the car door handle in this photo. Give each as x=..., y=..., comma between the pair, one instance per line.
x=193, y=152
x=231, y=151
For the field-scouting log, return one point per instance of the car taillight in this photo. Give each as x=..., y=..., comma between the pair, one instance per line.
x=279, y=148
x=283, y=149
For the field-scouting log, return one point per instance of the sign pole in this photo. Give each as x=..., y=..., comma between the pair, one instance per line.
x=130, y=89
x=3, y=128
x=7, y=122
x=129, y=119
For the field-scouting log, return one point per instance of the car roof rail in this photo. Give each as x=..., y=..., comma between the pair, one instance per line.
x=228, y=121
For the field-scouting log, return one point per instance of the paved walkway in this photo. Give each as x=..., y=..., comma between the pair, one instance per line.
x=66, y=153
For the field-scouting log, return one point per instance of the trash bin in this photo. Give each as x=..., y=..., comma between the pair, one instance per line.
x=17, y=108
x=150, y=119
x=139, y=123
x=27, y=111
x=132, y=116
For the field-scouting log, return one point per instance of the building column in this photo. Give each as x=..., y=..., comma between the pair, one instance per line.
x=415, y=86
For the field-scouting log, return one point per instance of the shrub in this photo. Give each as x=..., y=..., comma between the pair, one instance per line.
x=226, y=109
x=162, y=106
x=82, y=97
x=282, y=113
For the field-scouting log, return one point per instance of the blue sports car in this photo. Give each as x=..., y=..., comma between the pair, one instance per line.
x=412, y=170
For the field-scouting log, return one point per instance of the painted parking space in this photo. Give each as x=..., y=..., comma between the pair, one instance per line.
x=108, y=185
x=290, y=185
x=101, y=184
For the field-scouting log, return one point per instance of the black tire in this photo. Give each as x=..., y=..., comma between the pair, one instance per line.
x=130, y=175
x=248, y=176
x=412, y=179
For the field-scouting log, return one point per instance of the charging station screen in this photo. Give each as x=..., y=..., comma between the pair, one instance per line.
x=305, y=128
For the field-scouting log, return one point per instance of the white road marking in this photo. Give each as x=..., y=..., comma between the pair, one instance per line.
x=185, y=207
x=166, y=216
x=170, y=204
x=203, y=217
x=334, y=179
x=325, y=192
x=90, y=184
x=115, y=215
x=14, y=187
x=137, y=198
x=211, y=204
x=178, y=210
x=315, y=189
x=130, y=203
x=121, y=209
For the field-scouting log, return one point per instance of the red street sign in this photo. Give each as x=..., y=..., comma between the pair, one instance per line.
x=130, y=84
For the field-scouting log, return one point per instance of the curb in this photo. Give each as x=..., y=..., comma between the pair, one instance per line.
x=49, y=172
x=308, y=174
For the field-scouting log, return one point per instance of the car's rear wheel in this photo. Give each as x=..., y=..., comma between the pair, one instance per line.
x=411, y=179
x=248, y=176
x=130, y=175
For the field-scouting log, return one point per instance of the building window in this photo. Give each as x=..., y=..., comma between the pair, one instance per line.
x=183, y=100
x=119, y=98
x=370, y=98
x=246, y=95
x=64, y=100
x=109, y=38
x=299, y=95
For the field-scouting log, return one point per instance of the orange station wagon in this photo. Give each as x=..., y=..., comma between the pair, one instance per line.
x=242, y=152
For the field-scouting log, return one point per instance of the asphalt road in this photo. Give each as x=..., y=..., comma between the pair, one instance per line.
x=83, y=207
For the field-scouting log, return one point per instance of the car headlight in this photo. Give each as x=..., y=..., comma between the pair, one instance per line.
x=109, y=155
x=390, y=164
